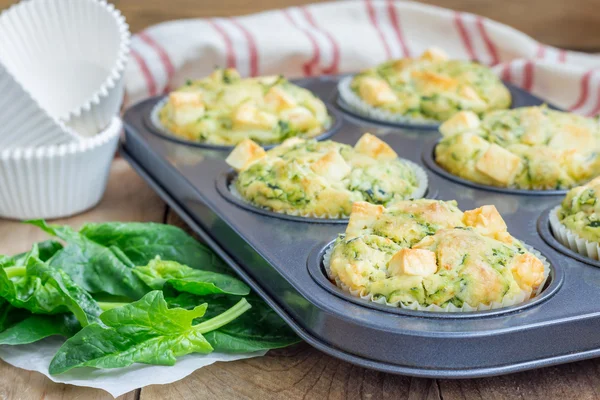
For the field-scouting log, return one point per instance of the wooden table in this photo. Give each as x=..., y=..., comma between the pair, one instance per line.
x=298, y=372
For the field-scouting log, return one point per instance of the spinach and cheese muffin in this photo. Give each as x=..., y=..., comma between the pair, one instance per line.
x=576, y=222
x=224, y=109
x=323, y=179
x=524, y=148
x=429, y=255
x=430, y=88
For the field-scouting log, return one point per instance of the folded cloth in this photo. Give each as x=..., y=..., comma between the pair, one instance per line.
x=346, y=36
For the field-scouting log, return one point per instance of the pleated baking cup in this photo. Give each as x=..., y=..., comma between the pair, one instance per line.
x=418, y=193
x=70, y=55
x=23, y=123
x=506, y=302
x=57, y=181
x=571, y=239
x=360, y=107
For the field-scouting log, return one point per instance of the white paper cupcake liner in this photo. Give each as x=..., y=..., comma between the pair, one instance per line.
x=70, y=55
x=418, y=193
x=360, y=107
x=506, y=302
x=56, y=181
x=23, y=123
x=571, y=239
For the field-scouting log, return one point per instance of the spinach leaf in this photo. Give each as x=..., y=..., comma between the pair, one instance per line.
x=5, y=312
x=142, y=242
x=146, y=331
x=41, y=289
x=94, y=267
x=185, y=279
x=38, y=327
x=46, y=250
x=258, y=329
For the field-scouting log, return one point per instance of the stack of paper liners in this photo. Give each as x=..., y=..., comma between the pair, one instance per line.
x=70, y=55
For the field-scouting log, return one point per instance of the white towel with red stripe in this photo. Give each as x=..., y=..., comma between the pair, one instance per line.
x=346, y=36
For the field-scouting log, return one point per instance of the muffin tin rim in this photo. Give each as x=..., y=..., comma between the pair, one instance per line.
x=428, y=127
x=316, y=270
x=224, y=180
x=428, y=159
x=163, y=133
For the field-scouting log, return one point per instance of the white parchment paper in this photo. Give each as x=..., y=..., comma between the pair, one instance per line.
x=37, y=357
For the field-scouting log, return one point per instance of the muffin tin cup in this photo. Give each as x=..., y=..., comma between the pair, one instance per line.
x=226, y=186
x=429, y=160
x=56, y=181
x=86, y=69
x=571, y=239
x=152, y=121
x=23, y=123
x=450, y=308
x=350, y=101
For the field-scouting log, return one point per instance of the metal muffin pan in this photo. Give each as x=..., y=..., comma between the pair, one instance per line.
x=276, y=257
x=152, y=124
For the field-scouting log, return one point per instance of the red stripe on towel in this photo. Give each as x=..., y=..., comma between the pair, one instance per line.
x=584, y=91
x=375, y=23
x=528, y=73
x=541, y=51
x=396, y=25
x=562, y=56
x=162, y=55
x=333, y=68
x=230, y=53
x=464, y=35
x=489, y=44
x=307, y=67
x=150, y=83
x=254, y=71
x=506, y=72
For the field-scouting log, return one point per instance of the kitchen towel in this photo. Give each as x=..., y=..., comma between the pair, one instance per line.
x=346, y=36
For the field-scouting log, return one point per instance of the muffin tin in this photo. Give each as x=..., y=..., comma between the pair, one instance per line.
x=281, y=258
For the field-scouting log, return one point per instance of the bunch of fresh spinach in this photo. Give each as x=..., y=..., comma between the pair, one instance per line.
x=125, y=293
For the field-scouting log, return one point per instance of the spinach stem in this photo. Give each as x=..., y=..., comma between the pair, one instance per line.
x=223, y=319
x=18, y=270
x=107, y=305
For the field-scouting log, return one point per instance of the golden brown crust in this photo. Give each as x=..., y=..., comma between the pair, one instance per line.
x=415, y=262
x=244, y=154
x=499, y=164
x=374, y=147
x=363, y=215
x=461, y=122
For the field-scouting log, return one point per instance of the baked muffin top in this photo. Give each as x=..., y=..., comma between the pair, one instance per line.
x=431, y=87
x=580, y=210
x=431, y=253
x=525, y=148
x=311, y=178
x=224, y=109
